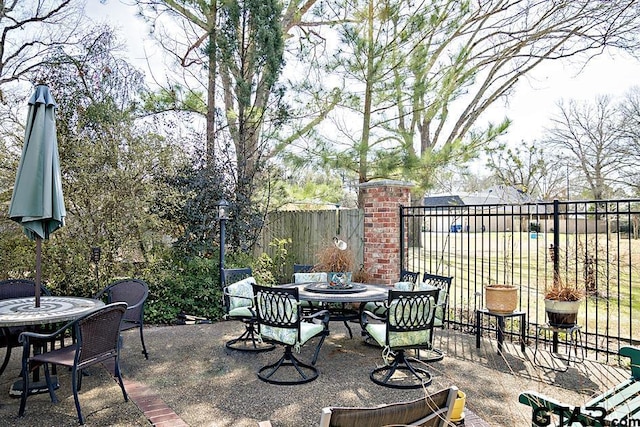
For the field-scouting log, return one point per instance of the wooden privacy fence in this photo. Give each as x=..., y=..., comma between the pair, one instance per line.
x=311, y=230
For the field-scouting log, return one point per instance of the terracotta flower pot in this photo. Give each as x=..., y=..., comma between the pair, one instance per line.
x=501, y=298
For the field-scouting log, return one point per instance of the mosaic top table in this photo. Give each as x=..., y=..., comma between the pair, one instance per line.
x=23, y=311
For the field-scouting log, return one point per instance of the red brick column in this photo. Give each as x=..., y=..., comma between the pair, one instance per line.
x=382, y=227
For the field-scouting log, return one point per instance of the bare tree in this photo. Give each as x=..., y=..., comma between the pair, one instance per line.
x=630, y=129
x=590, y=135
x=31, y=30
x=528, y=169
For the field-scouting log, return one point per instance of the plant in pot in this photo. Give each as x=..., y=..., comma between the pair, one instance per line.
x=562, y=302
x=338, y=261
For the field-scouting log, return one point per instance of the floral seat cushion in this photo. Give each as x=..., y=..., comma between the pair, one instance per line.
x=241, y=297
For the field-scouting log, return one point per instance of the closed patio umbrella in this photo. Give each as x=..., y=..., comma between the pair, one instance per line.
x=37, y=202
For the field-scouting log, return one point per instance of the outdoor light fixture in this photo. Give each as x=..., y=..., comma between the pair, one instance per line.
x=95, y=258
x=95, y=254
x=223, y=216
x=223, y=210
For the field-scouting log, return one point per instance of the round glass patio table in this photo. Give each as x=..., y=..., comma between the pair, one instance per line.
x=23, y=311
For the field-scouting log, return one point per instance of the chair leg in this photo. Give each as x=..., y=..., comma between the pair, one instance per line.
x=414, y=377
x=47, y=376
x=144, y=347
x=7, y=356
x=25, y=384
x=116, y=373
x=248, y=341
x=75, y=377
x=317, y=351
x=305, y=373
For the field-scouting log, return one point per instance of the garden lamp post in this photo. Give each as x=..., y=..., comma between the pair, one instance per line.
x=223, y=215
x=95, y=258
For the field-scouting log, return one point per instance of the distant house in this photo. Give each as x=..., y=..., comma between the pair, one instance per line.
x=490, y=209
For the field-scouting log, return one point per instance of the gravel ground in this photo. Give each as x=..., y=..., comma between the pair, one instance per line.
x=208, y=385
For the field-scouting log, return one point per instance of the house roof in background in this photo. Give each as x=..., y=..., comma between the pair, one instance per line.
x=496, y=195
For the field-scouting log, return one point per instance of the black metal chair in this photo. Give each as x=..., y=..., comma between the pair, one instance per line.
x=134, y=292
x=444, y=284
x=237, y=294
x=16, y=288
x=434, y=281
x=409, y=276
x=96, y=341
x=280, y=321
x=408, y=325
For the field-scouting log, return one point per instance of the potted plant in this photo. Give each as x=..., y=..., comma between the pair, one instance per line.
x=562, y=302
x=501, y=298
x=338, y=261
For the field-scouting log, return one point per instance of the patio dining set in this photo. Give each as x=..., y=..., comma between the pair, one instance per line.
x=400, y=319
x=44, y=332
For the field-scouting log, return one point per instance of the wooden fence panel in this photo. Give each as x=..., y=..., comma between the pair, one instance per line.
x=311, y=230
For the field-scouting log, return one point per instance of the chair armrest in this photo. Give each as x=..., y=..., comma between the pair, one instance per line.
x=543, y=405
x=225, y=291
x=634, y=354
x=366, y=315
x=25, y=337
x=323, y=315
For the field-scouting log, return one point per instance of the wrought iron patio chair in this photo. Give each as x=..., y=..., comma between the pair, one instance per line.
x=96, y=341
x=16, y=288
x=134, y=292
x=444, y=284
x=280, y=321
x=409, y=276
x=238, y=304
x=408, y=326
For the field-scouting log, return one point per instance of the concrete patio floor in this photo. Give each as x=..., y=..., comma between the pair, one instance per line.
x=192, y=372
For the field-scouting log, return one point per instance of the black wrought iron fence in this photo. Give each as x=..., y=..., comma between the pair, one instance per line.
x=594, y=245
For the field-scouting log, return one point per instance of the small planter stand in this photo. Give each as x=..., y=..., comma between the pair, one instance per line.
x=570, y=336
x=500, y=327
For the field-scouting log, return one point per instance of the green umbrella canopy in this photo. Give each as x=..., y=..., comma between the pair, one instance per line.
x=37, y=202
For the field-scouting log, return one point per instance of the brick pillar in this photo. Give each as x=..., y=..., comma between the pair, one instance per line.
x=382, y=227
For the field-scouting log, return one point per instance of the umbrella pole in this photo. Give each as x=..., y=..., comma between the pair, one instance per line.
x=38, y=269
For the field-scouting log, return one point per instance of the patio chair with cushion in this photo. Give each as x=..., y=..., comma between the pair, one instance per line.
x=134, y=292
x=408, y=325
x=407, y=282
x=309, y=277
x=280, y=321
x=432, y=410
x=96, y=341
x=15, y=288
x=409, y=276
x=444, y=284
x=238, y=304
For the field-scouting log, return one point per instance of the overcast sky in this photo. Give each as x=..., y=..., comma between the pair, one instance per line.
x=530, y=108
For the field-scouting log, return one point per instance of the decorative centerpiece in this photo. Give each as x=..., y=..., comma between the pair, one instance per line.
x=562, y=302
x=338, y=261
